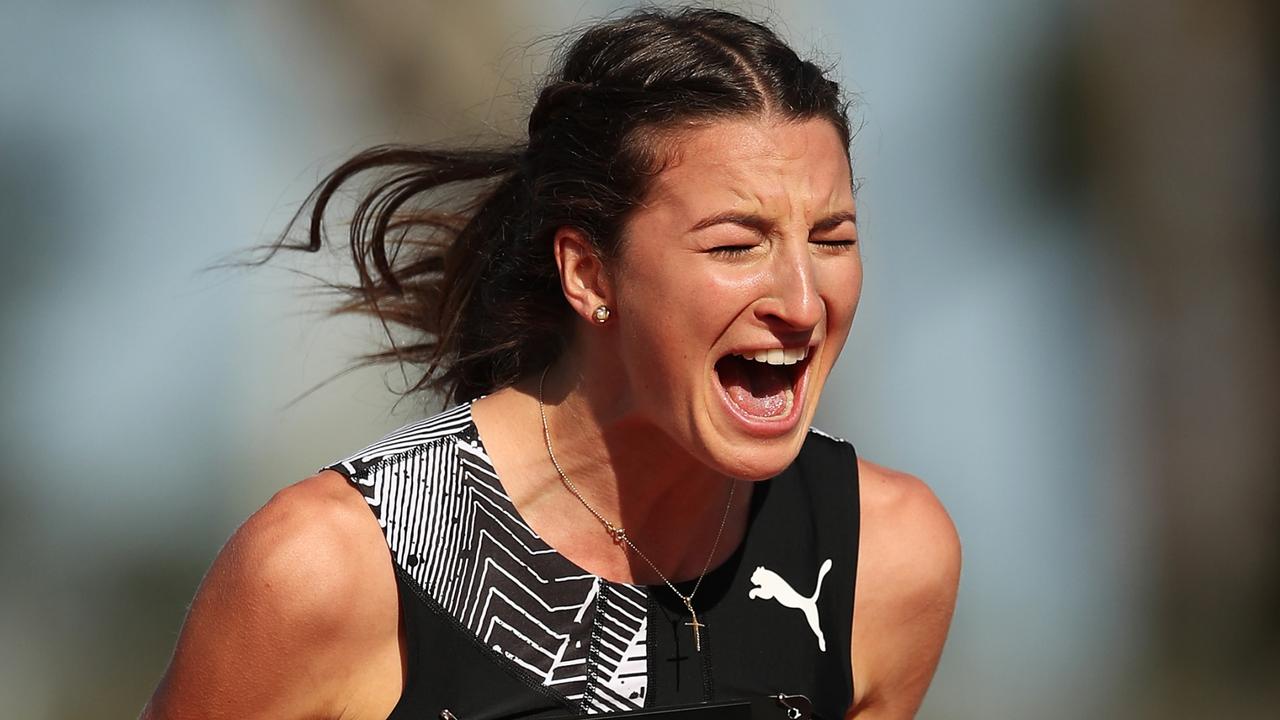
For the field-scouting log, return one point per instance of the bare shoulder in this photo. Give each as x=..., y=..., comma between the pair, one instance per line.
x=297, y=617
x=908, y=576
x=904, y=508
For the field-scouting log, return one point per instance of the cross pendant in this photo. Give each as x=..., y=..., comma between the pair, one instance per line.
x=697, y=626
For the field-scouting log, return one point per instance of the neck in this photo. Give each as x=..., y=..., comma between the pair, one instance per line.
x=631, y=472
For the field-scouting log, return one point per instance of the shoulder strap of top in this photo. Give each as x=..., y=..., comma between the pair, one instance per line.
x=833, y=462
x=417, y=434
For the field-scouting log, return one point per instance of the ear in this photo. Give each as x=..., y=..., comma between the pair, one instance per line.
x=583, y=277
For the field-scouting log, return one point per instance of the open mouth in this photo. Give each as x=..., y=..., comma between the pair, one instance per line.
x=763, y=384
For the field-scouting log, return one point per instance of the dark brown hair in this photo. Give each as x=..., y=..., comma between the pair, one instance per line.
x=453, y=248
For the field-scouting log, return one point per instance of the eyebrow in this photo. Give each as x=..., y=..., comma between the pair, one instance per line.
x=835, y=220
x=749, y=220
x=761, y=224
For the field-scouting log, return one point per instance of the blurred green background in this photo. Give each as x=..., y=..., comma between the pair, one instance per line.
x=1068, y=327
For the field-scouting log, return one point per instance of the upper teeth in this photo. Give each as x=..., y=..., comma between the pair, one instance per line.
x=777, y=356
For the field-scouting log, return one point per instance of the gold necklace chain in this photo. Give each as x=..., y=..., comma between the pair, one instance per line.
x=619, y=534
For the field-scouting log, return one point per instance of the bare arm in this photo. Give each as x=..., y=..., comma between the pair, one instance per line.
x=908, y=575
x=297, y=617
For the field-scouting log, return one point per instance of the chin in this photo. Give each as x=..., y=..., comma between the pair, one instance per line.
x=755, y=459
x=760, y=469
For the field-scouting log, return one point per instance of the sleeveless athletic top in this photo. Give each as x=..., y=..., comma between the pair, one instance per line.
x=499, y=625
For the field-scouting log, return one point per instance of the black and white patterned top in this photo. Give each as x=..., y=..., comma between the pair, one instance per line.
x=501, y=625
x=452, y=527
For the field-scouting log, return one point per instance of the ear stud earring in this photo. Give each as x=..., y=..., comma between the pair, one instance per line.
x=601, y=314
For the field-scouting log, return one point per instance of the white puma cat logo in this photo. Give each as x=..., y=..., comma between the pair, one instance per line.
x=769, y=585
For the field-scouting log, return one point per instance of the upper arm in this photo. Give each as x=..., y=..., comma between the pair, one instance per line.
x=908, y=575
x=299, y=604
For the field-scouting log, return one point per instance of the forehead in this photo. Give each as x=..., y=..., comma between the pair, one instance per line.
x=778, y=168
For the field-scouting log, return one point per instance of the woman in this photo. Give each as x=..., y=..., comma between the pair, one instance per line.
x=634, y=315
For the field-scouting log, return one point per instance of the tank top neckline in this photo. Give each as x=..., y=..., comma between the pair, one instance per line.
x=713, y=575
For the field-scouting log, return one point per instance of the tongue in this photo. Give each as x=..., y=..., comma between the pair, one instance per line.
x=758, y=389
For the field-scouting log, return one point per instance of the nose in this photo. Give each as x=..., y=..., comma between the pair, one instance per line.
x=792, y=302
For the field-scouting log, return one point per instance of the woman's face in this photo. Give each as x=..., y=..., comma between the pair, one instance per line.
x=735, y=288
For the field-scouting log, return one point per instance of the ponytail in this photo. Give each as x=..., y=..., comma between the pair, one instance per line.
x=479, y=302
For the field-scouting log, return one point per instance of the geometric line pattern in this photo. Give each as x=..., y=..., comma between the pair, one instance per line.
x=452, y=528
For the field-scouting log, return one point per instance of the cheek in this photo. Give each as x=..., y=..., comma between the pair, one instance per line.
x=841, y=288
x=660, y=334
x=685, y=298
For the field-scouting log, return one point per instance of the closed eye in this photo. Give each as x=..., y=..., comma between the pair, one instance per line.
x=836, y=245
x=729, y=251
